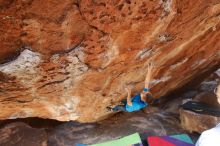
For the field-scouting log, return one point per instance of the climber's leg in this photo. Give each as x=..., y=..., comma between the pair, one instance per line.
x=123, y=102
x=117, y=108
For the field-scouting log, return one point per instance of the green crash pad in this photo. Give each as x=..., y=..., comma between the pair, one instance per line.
x=125, y=141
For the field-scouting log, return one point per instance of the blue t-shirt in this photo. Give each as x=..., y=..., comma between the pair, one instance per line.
x=137, y=104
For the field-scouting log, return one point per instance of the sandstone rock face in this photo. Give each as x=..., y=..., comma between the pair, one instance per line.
x=69, y=59
x=44, y=132
x=195, y=122
x=158, y=123
x=22, y=134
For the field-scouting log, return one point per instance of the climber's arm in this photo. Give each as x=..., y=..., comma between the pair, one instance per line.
x=148, y=75
x=129, y=96
x=218, y=93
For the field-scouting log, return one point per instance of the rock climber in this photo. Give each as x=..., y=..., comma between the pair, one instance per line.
x=140, y=100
